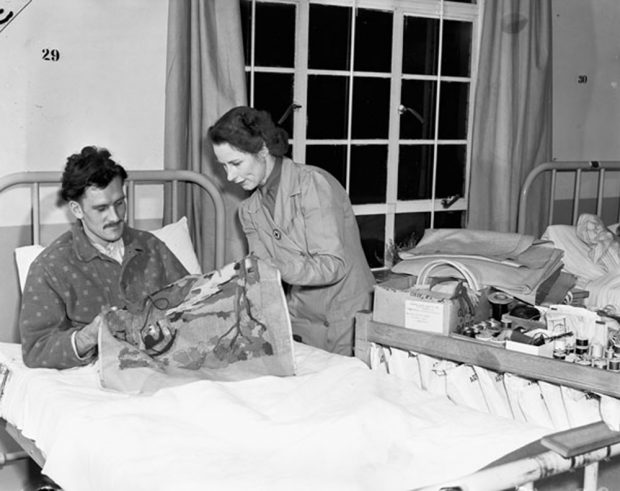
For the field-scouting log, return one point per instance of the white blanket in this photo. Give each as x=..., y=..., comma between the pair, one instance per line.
x=337, y=425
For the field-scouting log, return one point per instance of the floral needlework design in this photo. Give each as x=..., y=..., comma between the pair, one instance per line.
x=229, y=324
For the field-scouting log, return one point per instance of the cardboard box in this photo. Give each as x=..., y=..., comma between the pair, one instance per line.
x=398, y=302
x=545, y=350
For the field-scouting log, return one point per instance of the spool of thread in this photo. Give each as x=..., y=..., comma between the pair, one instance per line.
x=581, y=350
x=499, y=304
x=613, y=365
x=582, y=346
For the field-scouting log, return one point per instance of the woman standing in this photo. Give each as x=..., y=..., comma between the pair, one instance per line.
x=300, y=219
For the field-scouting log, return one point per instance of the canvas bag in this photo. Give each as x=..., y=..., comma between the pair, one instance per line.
x=437, y=307
x=230, y=324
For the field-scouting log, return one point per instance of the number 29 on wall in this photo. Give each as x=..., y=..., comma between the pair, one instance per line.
x=48, y=54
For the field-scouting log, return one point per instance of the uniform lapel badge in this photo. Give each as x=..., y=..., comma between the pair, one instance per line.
x=276, y=234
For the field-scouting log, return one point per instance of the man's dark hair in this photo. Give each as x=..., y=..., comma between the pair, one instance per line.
x=91, y=167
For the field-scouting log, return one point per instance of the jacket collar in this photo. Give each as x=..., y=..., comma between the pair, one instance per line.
x=85, y=251
x=289, y=184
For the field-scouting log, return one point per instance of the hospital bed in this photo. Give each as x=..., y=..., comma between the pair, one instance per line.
x=574, y=188
x=335, y=425
x=593, y=187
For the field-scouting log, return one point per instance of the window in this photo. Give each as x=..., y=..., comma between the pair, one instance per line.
x=379, y=93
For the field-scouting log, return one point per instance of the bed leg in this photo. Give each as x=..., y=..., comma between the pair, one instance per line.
x=362, y=345
x=590, y=477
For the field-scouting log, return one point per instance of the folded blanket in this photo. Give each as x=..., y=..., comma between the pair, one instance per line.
x=499, y=246
x=516, y=264
x=229, y=324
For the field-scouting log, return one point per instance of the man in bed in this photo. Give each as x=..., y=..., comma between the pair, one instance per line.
x=99, y=264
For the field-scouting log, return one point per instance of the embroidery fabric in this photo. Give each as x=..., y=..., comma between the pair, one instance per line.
x=229, y=324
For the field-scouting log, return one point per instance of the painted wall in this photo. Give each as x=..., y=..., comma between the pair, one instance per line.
x=104, y=85
x=586, y=80
x=586, y=100
x=76, y=73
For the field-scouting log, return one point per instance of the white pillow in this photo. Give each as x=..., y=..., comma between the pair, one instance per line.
x=24, y=257
x=176, y=237
x=576, y=259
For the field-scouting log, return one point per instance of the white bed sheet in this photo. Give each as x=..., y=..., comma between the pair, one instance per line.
x=337, y=425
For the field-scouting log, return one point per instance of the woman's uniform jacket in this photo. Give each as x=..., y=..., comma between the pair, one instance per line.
x=313, y=239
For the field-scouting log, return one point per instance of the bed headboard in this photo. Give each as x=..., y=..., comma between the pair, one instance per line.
x=603, y=176
x=170, y=179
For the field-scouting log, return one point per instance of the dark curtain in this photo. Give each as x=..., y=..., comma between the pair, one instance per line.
x=205, y=77
x=512, y=117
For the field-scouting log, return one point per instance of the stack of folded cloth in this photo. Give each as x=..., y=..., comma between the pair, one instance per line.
x=520, y=265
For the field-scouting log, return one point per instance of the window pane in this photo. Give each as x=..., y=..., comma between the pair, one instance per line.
x=327, y=107
x=371, y=107
x=420, y=46
x=409, y=228
x=450, y=170
x=329, y=37
x=453, y=110
x=332, y=158
x=273, y=92
x=417, y=120
x=415, y=172
x=275, y=35
x=372, y=232
x=449, y=219
x=246, y=29
x=456, y=50
x=373, y=40
x=368, y=177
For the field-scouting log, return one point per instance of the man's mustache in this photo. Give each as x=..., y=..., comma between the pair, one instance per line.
x=114, y=224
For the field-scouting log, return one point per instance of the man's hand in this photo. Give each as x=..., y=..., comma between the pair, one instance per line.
x=86, y=338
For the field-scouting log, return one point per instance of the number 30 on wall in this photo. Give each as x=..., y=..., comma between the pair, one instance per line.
x=50, y=54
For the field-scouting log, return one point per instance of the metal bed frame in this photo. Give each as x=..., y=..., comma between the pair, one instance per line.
x=552, y=169
x=171, y=180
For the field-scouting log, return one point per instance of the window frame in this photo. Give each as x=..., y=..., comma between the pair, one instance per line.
x=436, y=9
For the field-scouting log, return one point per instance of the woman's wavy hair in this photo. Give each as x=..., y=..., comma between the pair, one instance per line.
x=93, y=166
x=248, y=129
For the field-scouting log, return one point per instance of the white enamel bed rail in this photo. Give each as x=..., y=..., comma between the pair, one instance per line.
x=601, y=169
x=170, y=179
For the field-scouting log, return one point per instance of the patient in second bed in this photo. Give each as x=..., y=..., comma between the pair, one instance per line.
x=100, y=263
